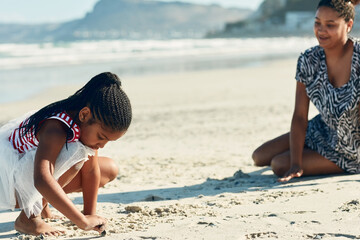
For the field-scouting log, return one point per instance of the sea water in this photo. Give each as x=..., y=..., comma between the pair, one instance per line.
x=26, y=69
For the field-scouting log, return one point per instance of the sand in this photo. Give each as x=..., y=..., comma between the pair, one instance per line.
x=185, y=164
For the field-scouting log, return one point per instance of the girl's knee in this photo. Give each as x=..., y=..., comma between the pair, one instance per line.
x=114, y=171
x=109, y=170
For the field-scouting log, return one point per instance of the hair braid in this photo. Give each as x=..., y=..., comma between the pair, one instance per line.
x=103, y=94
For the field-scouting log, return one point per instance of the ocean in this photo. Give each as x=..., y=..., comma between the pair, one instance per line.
x=26, y=69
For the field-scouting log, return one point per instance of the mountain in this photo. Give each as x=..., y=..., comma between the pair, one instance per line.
x=130, y=19
x=272, y=19
x=276, y=18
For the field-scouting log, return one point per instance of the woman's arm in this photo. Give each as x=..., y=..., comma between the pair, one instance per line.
x=90, y=174
x=297, y=133
x=52, y=137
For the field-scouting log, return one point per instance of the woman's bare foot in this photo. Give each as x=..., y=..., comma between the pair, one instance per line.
x=35, y=226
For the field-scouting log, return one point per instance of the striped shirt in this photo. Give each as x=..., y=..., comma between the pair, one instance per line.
x=25, y=142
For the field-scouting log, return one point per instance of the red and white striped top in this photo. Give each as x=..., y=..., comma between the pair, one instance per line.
x=24, y=143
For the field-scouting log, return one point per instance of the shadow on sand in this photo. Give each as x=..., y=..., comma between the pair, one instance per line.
x=259, y=180
x=239, y=182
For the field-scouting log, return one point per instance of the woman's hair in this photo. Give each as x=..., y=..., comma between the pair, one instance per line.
x=345, y=8
x=104, y=96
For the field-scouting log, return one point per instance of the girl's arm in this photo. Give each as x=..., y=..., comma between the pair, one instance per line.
x=52, y=137
x=90, y=174
x=297, y=133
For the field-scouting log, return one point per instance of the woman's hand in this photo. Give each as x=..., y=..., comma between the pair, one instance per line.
x=93, y=222
x=294, y=171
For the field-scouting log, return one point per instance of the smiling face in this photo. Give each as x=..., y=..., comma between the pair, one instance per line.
x=92, y=133
x=330, y=29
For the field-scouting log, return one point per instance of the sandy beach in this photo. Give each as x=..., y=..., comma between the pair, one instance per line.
x=185, y=164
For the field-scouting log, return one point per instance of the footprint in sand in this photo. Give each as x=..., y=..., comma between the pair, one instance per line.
x=261, y=235
x=351, y=206
x=331, y=236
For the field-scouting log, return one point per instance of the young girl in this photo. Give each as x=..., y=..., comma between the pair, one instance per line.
x=54, y=151
x=329, y=76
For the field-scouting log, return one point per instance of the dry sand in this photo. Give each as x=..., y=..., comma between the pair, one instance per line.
x=185, y=164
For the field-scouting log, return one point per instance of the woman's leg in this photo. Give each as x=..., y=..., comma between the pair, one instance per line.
x=264, y=154
x=312, y=164
x=108, y=170
x=276, y=153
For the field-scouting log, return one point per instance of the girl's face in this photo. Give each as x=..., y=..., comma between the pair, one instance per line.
x=93, y=134
x=330, y=29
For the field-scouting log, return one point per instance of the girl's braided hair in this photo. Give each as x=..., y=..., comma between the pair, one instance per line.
x=104, y=96
x=345, y=8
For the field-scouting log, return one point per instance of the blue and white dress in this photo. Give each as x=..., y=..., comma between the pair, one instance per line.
x=335, y=132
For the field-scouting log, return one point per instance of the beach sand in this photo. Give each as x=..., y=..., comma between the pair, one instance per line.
x=185, y=164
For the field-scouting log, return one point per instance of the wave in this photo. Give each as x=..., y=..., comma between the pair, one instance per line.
x=30, y=68
x=16, y=56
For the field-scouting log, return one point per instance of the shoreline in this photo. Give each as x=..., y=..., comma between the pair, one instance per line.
x=63, y=75
x=52, y=93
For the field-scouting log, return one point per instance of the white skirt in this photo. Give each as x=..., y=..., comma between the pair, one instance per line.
x=17, y=170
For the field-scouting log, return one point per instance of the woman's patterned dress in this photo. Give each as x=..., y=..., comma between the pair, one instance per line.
x=335, y=132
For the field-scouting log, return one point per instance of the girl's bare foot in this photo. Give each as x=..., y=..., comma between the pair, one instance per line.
x=34, y=226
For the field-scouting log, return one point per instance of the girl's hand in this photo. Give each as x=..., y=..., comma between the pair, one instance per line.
x=294, y=171
x=94, y=222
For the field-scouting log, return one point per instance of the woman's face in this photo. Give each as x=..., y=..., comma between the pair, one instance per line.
x=330, y=29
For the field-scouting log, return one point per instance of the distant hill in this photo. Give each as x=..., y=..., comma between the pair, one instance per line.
x=277, y=18
x=130, y=19
x=269, y=20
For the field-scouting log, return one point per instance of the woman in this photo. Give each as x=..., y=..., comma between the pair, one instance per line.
x=328, y=75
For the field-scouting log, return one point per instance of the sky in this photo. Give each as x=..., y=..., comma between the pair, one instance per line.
x=52, y=11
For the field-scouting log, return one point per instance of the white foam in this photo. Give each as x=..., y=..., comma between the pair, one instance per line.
x=15, y=56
